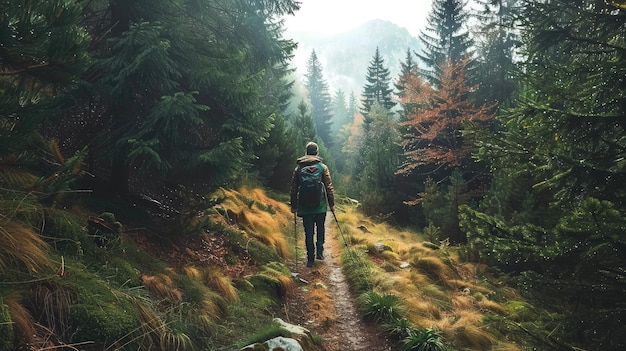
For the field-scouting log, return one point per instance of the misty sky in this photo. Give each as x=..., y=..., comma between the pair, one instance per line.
x=336, y=16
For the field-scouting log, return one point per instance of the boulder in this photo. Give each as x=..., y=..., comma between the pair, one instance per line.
x=275, y=344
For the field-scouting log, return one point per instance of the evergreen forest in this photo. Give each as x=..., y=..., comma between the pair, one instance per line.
x=147, y=147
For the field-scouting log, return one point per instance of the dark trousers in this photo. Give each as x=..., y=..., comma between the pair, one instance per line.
x=310, y=222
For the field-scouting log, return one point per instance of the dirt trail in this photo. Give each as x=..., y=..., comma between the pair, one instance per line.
x=343, y=328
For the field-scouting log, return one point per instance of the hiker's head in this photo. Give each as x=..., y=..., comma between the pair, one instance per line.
x=311, y=148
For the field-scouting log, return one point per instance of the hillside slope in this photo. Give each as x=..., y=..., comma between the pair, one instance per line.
x=117, y=285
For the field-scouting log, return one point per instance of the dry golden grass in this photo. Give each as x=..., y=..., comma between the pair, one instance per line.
x=154, y=332
x=462, y=284
x=193, y=273
x=432, y=266
x=54, y=302
x=320, y=303
x=23, y=321
x=388, y=282
x=391, y=257
x=439, y=289
x=472, y=336
x=221, y=284
x=152, y=325
x=421, y=308
x=21, y=244
x=469, y=316
x=162, y=287
x=260, y=216
x=212, y=306
x=462, y=302
x=486, y=305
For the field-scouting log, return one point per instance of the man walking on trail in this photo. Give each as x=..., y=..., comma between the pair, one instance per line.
x=311, y=195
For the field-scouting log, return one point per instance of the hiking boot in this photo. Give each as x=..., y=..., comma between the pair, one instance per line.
x=309, y=264
x=319, y=256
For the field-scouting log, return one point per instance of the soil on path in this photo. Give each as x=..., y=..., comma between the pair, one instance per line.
x=324, y=304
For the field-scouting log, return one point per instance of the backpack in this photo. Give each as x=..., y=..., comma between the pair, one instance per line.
x=311, y=190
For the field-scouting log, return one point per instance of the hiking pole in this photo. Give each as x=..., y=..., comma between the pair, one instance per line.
x=351, y=254
x=295, y=239
x=343, y=236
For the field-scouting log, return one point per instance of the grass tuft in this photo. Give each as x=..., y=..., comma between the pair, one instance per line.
x=221, y=284
x=20, y=244
x=23, y=322
x=380, y=308
x=434, y=267
x=423, y=340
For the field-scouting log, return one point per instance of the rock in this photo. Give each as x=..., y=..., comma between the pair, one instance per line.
x=404, y=265
x=293, y=329
x=278, y=343
x=287, y=344
x=380, y=247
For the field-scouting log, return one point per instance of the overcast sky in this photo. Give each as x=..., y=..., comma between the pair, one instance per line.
x=336, y=16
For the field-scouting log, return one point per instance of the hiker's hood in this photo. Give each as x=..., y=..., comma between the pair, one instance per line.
x=307, y=159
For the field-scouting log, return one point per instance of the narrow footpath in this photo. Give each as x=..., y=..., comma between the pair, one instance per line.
x=324, y=297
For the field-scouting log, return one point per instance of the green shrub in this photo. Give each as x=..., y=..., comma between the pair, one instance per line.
x=423, y=340
x=399, y=328
x=380, y=308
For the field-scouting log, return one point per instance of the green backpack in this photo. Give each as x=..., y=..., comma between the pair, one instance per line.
x=311, y=190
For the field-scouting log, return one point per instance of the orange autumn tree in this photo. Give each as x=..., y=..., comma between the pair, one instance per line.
x=433, y=130
x=433, y=141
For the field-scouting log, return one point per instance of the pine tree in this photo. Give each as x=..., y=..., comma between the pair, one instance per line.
x=302, y=126
x=321, y=102
x=352, y=106
x=180, y=93
x=340, y=111
x=445, y=38
x=563, y=144
x=496, y=45
x=408, y=69
x=378, y=158
x=43, y=52
x=376, y=89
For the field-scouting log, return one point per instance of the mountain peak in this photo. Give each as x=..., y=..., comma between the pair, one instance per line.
x=345, y=56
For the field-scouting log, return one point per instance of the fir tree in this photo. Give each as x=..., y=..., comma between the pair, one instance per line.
x=496, y=45
x=341, y=116
x=562, y=149
x=408, y=70
x=42, y=55
x=445, y=38
x=302, y=126
x=180, y=92
x=378, y=157
x=321, y=104
x=352, y=106
x=376, y=89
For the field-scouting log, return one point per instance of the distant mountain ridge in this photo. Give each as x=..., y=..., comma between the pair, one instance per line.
x=346, y=56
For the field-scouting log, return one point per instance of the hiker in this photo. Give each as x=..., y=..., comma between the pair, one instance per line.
x=311, y=196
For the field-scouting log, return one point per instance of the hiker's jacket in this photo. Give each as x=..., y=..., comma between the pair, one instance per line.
x=326, y=180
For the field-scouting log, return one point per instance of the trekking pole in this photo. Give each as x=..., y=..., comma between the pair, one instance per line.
x=345, y=242
x=295, y=238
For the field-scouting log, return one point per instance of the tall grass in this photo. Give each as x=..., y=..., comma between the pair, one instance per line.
x=439, y=291
x=20, y=245
x=262, y=217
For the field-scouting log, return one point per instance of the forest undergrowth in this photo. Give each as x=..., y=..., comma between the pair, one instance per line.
x=92, y=280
